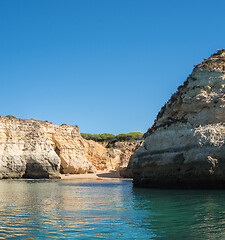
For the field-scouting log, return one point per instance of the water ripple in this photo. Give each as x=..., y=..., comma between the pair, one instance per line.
x=84, y=209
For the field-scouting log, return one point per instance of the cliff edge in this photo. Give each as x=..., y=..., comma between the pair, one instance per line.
x=185, y=147
x=39, y=149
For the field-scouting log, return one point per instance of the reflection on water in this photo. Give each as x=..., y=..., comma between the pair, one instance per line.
x=88, y=209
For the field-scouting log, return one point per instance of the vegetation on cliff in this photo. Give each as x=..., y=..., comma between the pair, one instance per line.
x=10, y=116
x=107, y=137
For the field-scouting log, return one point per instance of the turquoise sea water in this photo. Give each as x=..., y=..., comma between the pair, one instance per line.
x=94, y=209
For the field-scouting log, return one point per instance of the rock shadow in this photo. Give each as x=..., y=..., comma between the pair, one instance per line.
x=35, y=170
x=110, y=174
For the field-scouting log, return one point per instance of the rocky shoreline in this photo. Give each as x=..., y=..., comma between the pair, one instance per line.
x=39, y=149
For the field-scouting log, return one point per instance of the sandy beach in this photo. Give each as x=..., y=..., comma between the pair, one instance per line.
x=99, y=175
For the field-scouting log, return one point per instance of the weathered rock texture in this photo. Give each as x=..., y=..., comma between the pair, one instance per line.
x=126, y=171
x=36, y=149
x=69, y=146
x=185, y=148
x=115, y=158
x=25, y=151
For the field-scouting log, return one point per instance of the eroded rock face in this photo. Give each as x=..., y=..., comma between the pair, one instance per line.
x=115, y=158
x=25, y=151
x=129, y=149
x=69, y=146
x=185, y=148
x=36, y=149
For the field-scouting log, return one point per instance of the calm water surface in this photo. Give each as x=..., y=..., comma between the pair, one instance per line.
x=93, y=209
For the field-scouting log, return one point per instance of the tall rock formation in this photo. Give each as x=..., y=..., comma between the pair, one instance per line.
x=185, y=147
x=36, y=149
x=69, y=146
x=25, y=151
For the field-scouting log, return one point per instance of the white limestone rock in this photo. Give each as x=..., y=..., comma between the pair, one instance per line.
x=185, y=147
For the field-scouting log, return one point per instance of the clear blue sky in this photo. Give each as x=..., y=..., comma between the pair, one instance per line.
x=105, y=65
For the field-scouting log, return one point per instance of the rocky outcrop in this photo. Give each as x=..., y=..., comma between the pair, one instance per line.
x=115, y=158
x=36, y=149
x=127, y=171
x=25, y=151
x=185, y=148
x=69, y=146
x=129, y=148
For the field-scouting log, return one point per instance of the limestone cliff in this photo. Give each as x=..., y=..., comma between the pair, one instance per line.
x=25, y=151
x=186, y=145
x=36, y=149
x=115, y=158
x=69, y=146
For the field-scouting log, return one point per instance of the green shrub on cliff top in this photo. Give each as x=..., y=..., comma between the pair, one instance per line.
x=10, y=116
x=98, y=137
x=132, y=136
x=107, y=137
